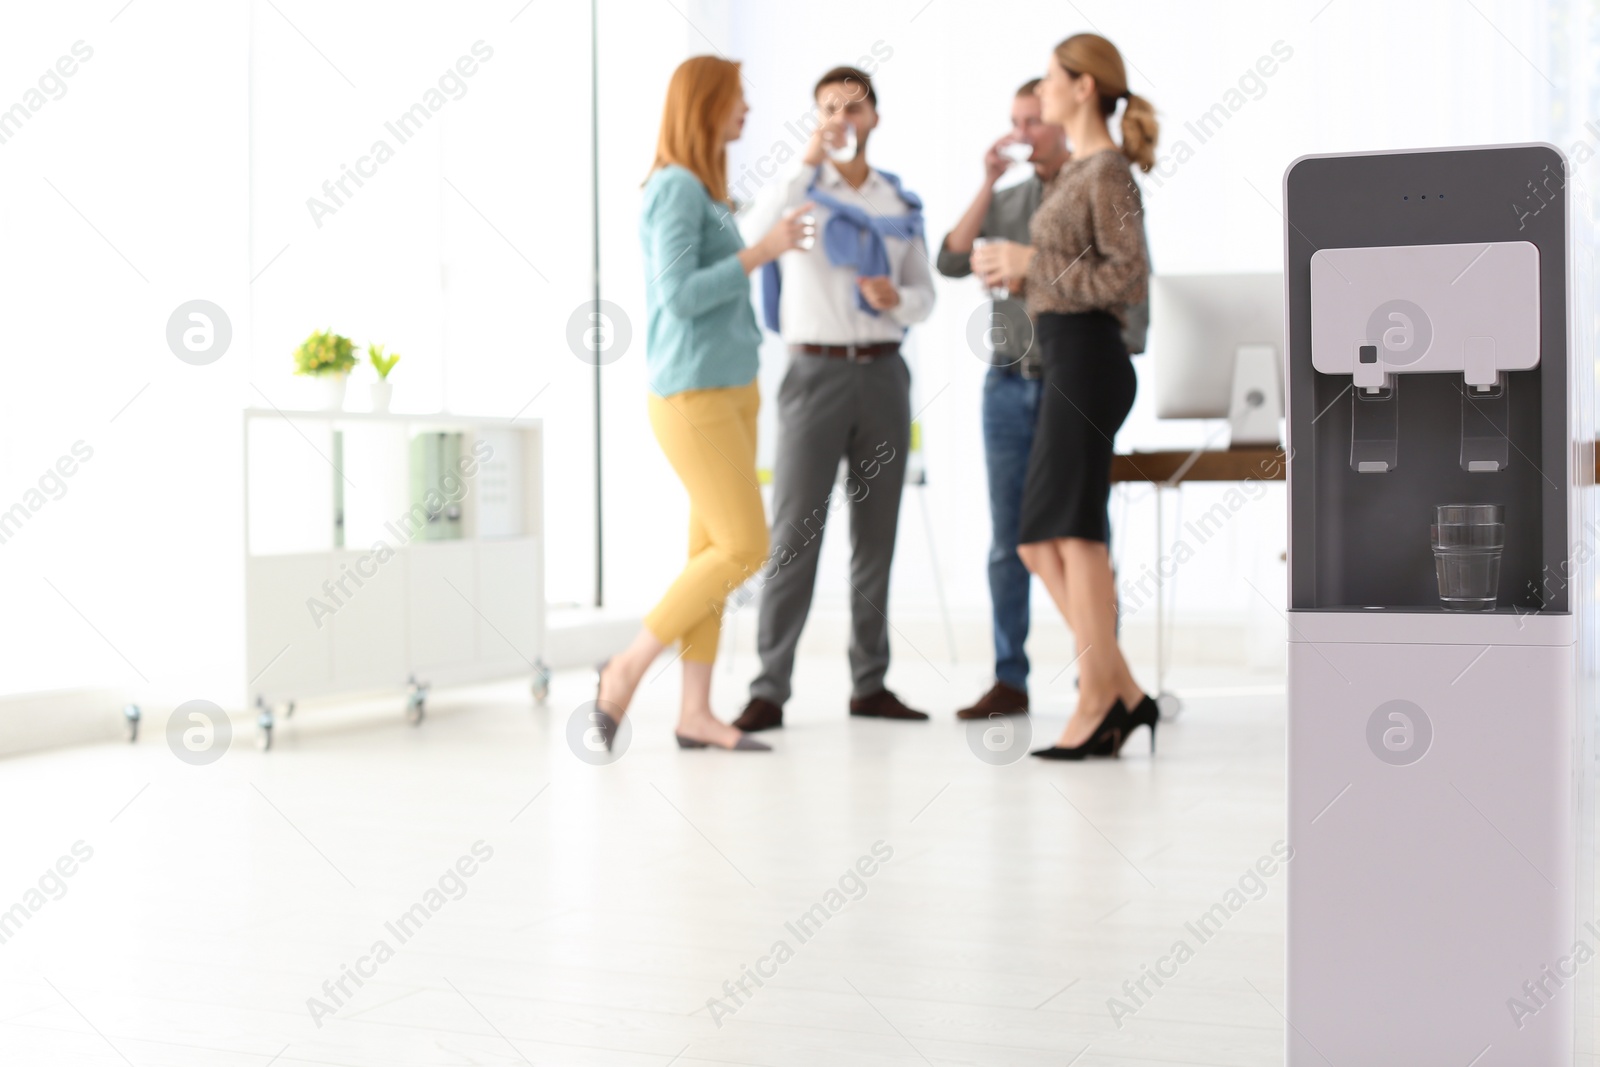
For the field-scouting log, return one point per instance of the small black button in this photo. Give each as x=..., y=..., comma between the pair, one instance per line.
x=1368, y=353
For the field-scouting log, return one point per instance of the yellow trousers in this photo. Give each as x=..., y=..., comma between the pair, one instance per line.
x=709, y=436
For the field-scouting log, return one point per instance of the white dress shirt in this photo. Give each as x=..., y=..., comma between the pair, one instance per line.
x=818, y=301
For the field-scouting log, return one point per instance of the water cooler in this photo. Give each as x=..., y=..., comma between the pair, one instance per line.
x=1440, y=752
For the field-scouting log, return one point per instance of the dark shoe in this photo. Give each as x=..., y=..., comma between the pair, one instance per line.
x=883, y=705
x=608, y=723
x=1105, y=741
x=759, y=715
x=1001, y=699
x=744, y=744
x=608, y=727
x=1147, y=713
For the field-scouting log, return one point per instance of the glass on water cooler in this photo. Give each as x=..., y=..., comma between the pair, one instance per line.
x=1468, y=540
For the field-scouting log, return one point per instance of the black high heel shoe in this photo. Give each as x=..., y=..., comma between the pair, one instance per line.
x=1146, y=713
x=1105, y=741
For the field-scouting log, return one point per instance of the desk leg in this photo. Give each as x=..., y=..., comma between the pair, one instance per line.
x=1161, y=600
x=1169, y=703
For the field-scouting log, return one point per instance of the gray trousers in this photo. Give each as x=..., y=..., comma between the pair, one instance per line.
x=831, y=410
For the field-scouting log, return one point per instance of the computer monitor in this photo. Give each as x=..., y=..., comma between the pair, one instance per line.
x=1217, y=341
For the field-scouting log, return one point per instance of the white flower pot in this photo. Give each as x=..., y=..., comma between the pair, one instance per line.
x=333, y=386
x=382, y=391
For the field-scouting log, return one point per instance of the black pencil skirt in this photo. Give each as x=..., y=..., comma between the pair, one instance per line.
x=1088, y=391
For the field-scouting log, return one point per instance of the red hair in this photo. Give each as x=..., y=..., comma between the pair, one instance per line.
x=702, y=94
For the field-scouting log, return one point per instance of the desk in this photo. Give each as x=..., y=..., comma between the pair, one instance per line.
x=1169, y=470
x=1231, y=465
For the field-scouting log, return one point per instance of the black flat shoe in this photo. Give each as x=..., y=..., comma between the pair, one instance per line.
x=746, y=743
x=608, y=728
x=607, y=725
x=1105, y=741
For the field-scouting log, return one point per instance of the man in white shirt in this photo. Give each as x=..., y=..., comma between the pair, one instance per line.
x=843, y=309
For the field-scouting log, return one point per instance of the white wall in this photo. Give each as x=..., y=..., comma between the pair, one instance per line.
x=120, y=200
x=466, y=252
x=178, y=165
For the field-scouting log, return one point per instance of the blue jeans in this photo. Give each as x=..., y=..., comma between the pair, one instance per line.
x=1010, y=411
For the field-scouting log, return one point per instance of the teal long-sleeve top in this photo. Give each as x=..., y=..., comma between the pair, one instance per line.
x=702, y=331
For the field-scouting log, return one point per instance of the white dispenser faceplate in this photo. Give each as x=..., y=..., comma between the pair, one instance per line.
x=1470, y=309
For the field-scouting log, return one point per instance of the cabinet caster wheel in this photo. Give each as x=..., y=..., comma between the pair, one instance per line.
x=264, y=724
x=541, y=682
x=416, y=701
x=130, y=718
x=1170, y=705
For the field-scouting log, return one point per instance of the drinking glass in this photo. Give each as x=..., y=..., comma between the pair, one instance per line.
x=809, y=240
x=1017, y=151
x=846, y=152
x=996, y=292
x=1468, y=540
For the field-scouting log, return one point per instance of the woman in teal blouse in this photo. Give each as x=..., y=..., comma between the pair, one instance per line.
x=702, y=343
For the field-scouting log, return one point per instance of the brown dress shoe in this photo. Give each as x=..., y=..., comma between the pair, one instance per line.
x=759, y=715
x=883, y=705
x=1001, y=699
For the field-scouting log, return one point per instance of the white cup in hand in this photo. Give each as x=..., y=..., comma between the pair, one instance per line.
x=846, y=149
x=1017, y=151
x=999, y=290
x=808, y=240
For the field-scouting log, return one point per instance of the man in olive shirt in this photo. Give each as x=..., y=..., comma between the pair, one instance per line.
x=1011, y=389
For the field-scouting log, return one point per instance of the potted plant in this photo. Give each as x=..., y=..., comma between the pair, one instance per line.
x=382, y=389
x=327, y=357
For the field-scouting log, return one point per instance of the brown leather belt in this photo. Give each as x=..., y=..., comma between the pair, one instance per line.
x=854, y=353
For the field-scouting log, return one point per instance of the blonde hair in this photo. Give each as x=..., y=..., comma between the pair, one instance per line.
x=1089, y=53
x=700, y=97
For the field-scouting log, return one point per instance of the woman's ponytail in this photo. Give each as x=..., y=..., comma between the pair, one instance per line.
x=1090, y=53
x=1139, y=132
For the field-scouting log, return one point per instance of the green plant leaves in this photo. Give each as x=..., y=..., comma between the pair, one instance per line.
x=324, y=353
x=381, y=363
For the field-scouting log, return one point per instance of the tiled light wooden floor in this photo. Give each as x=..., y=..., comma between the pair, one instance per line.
x=618, y=899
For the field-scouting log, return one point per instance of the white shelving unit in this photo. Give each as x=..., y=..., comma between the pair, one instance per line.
x=350, y=588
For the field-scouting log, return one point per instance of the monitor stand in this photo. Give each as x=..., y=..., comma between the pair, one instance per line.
x=1255, y=403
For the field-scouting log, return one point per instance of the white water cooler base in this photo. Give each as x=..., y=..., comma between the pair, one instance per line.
x=1434, y=818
